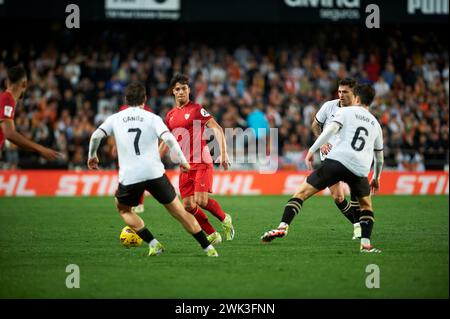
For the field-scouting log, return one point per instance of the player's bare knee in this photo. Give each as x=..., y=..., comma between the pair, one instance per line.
x=201, y=200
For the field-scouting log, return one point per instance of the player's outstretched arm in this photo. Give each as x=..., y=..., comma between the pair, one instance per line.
x=218, y=133
x=94, y=143
x=9, y=129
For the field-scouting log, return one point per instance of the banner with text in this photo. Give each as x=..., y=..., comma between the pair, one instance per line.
x=296, y=11
x=104, y=183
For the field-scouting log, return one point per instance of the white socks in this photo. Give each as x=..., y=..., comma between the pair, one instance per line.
x=283, y=225
x=153, y=242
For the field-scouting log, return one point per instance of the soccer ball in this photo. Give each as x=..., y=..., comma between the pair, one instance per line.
x=129, y=238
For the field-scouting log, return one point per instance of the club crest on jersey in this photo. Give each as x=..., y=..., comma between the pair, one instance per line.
x=8, y=110
x=186, y=116
x=204, y=112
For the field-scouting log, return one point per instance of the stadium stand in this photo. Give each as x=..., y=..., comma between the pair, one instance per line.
x=77, y=79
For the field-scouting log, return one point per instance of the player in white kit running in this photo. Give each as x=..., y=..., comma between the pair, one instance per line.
x=323, y=118
x=137, y=133
x=359, y=142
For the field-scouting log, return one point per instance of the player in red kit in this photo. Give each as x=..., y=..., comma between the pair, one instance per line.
x=139, y=208
x=16, y=84
x=187, y=121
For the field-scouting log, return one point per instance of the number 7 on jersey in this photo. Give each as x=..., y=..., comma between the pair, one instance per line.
x=136, y=139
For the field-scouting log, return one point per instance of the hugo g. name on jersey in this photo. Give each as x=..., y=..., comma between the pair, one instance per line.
x=360, y=135
x=137, y=133
x=325, y=116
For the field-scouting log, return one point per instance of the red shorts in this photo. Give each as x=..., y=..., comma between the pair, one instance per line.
x=196, y=181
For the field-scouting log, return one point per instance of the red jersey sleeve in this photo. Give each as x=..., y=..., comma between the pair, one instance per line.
x=166, y=121
x=7, y=106
x=201, y=114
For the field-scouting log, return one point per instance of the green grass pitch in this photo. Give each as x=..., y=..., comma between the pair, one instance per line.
x=39, y=237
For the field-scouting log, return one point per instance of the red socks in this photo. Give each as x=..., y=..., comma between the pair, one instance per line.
x=214, y=207
x=202, y=219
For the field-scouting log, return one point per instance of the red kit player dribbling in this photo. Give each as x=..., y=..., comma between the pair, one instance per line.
x=187, y=121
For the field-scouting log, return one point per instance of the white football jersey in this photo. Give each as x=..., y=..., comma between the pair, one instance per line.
x=136, y=132
x=325, y=116
x=359, y=136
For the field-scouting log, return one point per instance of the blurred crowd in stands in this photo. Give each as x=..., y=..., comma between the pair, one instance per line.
x=73, y=87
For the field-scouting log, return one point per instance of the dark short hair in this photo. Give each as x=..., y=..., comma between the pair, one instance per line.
x=365, y=92
x=16, y=74
x=135, y=94
x=179, y=78
x=350, y=82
